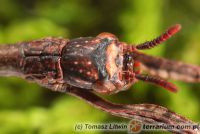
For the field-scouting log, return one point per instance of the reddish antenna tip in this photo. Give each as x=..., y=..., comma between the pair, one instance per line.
x=178, y=26
x=174, y=29
x=169, y=32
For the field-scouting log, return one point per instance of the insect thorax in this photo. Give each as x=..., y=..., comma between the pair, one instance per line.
x=41, y=60
x=93, y=63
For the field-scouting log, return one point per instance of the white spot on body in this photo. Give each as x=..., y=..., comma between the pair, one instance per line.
x=88, y=73
x=80, y=70
x=75, y=62
x=89, y=62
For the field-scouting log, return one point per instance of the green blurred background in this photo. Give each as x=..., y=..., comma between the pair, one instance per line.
x=26, y=108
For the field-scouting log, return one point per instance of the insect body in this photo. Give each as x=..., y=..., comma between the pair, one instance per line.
x=101, y=64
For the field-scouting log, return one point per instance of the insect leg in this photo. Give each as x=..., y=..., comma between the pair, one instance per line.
x=157, y=81
x=147, y=113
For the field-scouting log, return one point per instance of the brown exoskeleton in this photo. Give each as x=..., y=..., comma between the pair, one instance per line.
x=99, y=64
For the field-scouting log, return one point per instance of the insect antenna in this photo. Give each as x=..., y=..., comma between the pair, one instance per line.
x=157, y=81
x=155, y=42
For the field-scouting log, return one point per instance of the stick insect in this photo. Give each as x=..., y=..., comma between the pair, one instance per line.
x=85, y=66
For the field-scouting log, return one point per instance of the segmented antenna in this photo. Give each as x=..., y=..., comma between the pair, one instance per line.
x=157, y=81
x=150, y=44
